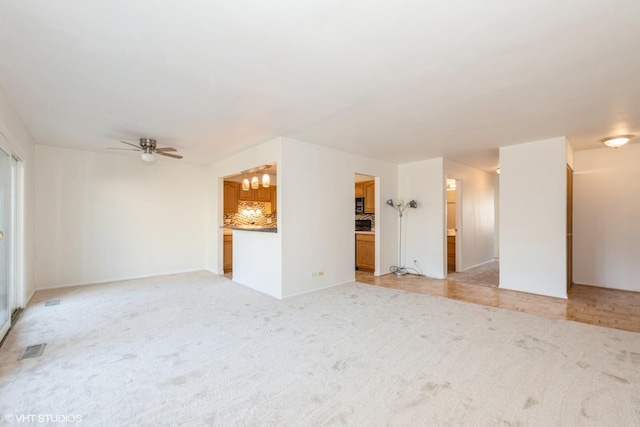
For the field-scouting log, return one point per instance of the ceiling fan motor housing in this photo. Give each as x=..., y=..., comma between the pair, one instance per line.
x=148, y=144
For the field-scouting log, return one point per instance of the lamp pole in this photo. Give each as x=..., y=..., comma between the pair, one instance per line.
x=400, y=207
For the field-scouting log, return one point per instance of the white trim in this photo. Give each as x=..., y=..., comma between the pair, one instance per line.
x=478, y=265
x=317, y=289
x=124, y=279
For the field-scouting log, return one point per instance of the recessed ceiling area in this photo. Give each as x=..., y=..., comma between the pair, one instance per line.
x=399, y=82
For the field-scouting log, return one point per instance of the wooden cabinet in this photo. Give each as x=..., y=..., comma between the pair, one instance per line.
x=230, y=196
x=359, y=191
x=274, y=199
x=267, y=195
x=365, y=252
x=451, y=254
x=228, y=253
x=262, y=194
x=245, y=196
x=369, y=188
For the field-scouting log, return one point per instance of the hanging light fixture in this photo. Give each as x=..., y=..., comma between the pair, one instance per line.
x=266, y=179
x=616, y=141
x=245, y=183
x=255, y=183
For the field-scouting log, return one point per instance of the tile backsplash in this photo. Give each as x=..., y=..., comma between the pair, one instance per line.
x=264, y=220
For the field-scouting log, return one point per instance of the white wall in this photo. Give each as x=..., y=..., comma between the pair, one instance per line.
x=21, y=142
x=606, y=229
x=533, y=217
x=477, y=212
x=261, y=154
x=424, y=227
x=103, y=217
x=255, y=262
x=316, y=215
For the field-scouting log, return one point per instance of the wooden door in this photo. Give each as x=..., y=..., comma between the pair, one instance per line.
x=569, y=227
x=274, y=199
x=365, y=252
x=230, y=197
x=228, y=253
x=369, y=197
x=246, y=195
x=263, y=194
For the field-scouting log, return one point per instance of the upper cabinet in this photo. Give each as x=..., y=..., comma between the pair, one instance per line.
x=231, y=197
x=246, y=196
x=262, y=194
x=267, y=195
x=369, y=188
x=359, y=189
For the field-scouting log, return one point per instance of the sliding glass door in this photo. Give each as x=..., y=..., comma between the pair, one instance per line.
x=5, y=225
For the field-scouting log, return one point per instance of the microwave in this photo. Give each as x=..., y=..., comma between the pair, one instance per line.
x=359, y=205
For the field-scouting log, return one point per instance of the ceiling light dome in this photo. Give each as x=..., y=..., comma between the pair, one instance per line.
x=616, y=141
x=148, y=157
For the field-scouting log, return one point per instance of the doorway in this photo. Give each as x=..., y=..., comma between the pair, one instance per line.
x=365, y=204
x=569, y=227
x=453, y=224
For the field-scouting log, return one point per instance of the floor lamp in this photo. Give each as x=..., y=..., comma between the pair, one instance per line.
x=400, y=270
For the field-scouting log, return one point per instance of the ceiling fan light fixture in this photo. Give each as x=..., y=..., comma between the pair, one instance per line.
x=148, y=157
x=616, y=141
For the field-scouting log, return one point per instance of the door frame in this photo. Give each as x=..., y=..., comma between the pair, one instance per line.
x=15, y=250
x=459, y=228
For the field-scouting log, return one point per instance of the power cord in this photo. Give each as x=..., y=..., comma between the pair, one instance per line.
x=401, y=271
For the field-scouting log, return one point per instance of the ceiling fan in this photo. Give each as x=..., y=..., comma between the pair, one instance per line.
x=149, y=149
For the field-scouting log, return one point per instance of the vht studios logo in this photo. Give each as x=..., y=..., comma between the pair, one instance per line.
x=42, y=418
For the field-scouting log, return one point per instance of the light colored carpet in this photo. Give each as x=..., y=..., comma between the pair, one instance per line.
x=484, y=275
x=198, y=349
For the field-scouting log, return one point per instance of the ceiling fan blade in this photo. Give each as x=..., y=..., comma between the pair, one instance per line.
x=133, y=145
x=166, y=149
x=175, y=156
x=127, y=149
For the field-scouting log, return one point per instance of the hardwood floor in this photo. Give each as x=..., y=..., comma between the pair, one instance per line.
x=586, y=304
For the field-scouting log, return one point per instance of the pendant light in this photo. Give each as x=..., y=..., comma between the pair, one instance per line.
x=245, y=183
x=255, y=183
x=266, y=179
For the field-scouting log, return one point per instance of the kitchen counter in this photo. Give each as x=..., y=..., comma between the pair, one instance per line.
x=250, y=228
x=366, y=232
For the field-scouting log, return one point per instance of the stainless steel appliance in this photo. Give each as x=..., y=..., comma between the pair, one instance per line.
x=359, y=205
x=363, y=225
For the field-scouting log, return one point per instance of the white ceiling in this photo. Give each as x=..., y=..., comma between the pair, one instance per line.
x=398, y=81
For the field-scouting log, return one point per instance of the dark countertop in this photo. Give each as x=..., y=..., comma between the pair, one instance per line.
x=251, y=228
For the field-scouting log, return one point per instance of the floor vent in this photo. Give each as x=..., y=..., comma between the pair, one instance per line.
x=52, y=302
x=32, y=351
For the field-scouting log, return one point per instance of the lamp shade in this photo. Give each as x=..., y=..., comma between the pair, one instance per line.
x=245, y=184
x=266, y=180
x=254, y=182
x=148, y=157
